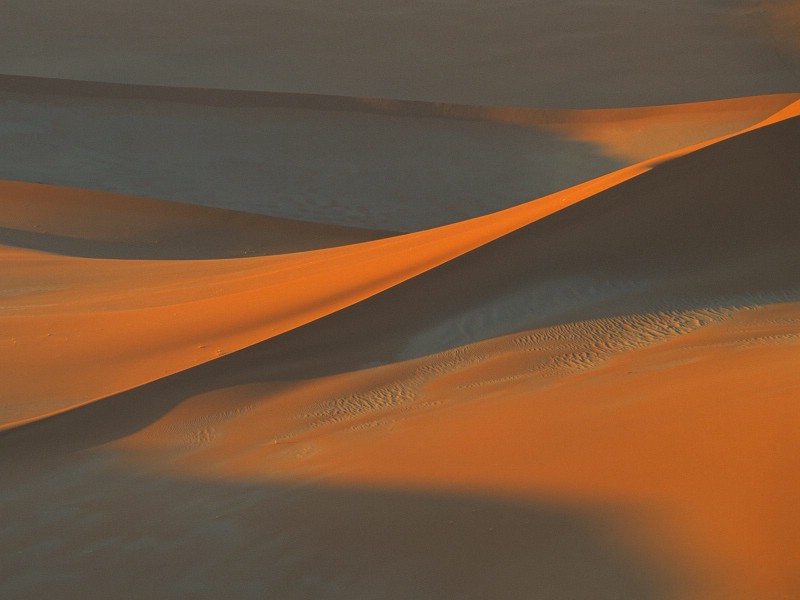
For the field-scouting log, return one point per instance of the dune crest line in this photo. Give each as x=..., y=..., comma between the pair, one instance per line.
x=204, y=309
x=217, y=97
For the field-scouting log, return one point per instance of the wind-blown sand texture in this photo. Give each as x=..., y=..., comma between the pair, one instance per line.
x=280, y=344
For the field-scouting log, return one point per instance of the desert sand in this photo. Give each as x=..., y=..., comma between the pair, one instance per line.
x=273, y=336
x=569, y=54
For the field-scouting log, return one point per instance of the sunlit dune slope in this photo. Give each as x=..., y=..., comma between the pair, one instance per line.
x=101, y=225
x=642, y=133
x=367, y=162
x=152, y=318
x=427, y=320
x=658, y=374
x=691, y=233
x=685, y=420
x=147, y=319
x=636, y=349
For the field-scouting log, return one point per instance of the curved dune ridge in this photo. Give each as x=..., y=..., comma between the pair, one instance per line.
x=628, y=343
x=32, y=86
x=176, y=315
x=93, y=224
x=374, y=163
x=636, y=133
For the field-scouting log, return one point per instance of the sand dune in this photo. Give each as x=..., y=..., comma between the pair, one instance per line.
x=593, y=391
x=101, y=225
x=715, y=110
x=59, y=310
x=297, y=156
x=369, y=299
x=574, y=53
x=70, y=305
x=579, y=414
x=210, y=309
x=374, y=163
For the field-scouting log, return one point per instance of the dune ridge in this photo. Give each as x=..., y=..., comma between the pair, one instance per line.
x=20, y=84
x=273, y=294
x=91, y=224
x=295, y=280
x=582, y=123
x=388, y=169
x=624, y=349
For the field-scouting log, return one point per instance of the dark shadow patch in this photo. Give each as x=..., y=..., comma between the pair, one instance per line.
x=84, y=528
x=700, y=223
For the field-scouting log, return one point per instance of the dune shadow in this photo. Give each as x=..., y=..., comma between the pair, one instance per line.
x=84, y=526
x=387, y=165
x=65, y=245
x=705, y=242
x=194, y=244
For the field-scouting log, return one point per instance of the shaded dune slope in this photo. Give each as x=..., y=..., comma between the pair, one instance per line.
x=394, y=170
x=697, y=233
x=374, y=163
x=633, y=436
x=509, y=53
x=694, y=230
x=26, y=85
x=352, y=539
x=58, y=311
x=101, y=225
x=634, y=132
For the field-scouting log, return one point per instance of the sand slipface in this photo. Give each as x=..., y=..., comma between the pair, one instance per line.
x=672, y=306
x=344, y=160
x=324, y=334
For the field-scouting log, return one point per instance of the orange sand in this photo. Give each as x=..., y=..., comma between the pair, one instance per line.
x=683, y=419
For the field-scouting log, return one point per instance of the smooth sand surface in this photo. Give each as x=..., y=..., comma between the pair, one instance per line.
x=400, y=300
x=269, y=155
x=89, y=224
x=61, y=311
x=401, y=166
x=588, y=395
x=572, y=53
